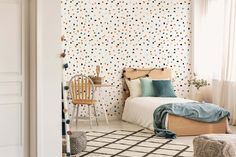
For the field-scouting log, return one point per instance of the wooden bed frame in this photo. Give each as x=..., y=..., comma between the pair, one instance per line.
x=180, y=125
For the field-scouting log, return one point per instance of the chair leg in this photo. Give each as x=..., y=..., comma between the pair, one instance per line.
x=95, y=113
x=73, y=114
x=90, y=116
x=105, y=113
x=77, y=115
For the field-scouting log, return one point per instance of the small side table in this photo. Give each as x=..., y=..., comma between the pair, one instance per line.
x=99, y=86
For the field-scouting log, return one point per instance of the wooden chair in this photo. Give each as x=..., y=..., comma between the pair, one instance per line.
x=82, y=93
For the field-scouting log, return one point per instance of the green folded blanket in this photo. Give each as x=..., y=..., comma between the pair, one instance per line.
x=204, y=112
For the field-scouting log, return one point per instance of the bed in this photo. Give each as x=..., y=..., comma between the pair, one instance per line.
x=139, y=110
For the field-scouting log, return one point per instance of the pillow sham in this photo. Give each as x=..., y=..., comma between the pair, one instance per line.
x=163, y=88
x=134, y=87
x=147, y=87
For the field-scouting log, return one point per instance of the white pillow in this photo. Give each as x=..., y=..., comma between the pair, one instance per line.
x=134, y=88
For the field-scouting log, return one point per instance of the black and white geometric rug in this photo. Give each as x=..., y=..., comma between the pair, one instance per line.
x=141, y=143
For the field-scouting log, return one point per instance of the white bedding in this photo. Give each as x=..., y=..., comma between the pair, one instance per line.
x=139, y=110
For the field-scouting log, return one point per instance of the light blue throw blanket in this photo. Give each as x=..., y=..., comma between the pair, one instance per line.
x=203, y=112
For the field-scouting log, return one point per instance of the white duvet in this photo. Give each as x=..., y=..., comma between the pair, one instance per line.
x=139, y=110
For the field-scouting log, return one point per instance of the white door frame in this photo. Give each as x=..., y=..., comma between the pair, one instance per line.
x=25, y=61
x=33, y=78
x=45, y=74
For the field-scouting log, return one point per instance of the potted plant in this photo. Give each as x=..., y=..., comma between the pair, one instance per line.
x=197, y=83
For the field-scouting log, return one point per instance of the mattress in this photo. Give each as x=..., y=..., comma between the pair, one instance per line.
x=139, y=110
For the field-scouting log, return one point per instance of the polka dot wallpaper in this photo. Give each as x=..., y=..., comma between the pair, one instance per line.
x=126, y=33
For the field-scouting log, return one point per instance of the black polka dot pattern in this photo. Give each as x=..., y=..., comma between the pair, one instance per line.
x=126, y=33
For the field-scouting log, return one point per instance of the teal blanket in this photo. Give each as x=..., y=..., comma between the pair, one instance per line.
x=203, y=112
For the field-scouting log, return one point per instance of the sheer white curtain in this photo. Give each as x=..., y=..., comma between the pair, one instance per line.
x=214, y=49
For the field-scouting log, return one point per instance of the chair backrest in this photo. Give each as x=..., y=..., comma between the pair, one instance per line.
x=81, y=88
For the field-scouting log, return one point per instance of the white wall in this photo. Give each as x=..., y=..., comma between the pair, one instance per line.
x=48, y=78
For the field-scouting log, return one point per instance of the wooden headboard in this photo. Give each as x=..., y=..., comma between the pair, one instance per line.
x=153, y=73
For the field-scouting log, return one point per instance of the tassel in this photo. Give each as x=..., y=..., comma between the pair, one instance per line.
x=63, y=55
x=65, y=66
x=66, y=87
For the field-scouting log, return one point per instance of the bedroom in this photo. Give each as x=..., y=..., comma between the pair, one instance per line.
x=118, y=78
x=120, y=44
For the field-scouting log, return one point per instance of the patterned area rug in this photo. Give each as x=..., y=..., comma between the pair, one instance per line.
x=141, y=143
